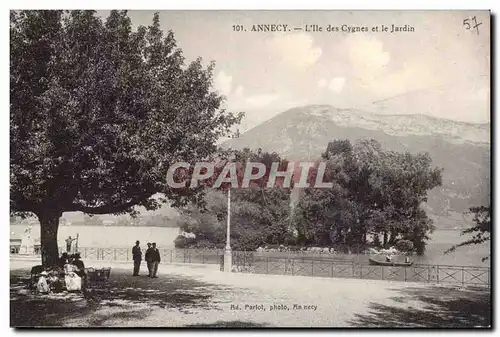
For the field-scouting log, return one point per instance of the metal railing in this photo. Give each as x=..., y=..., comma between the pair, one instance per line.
x=249, y=262
x=440, y=274
x=167, y=255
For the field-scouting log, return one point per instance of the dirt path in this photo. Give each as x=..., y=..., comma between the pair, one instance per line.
x=203, y=296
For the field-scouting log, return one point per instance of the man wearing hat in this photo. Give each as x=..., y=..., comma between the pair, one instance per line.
x=155, y=259
x=147, y=257
x=137, y=257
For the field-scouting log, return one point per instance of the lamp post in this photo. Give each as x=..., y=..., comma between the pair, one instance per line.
x=228, y=255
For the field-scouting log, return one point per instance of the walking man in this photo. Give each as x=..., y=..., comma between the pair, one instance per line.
x=147, y=257
x=155, y=258
x=137, y=257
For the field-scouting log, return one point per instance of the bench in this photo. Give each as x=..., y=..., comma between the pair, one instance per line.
x=97, y=275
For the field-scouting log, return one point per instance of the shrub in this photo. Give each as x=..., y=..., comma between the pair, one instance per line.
x=405, y=246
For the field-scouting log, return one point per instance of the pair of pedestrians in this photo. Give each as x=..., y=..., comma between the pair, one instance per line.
x=152, y=258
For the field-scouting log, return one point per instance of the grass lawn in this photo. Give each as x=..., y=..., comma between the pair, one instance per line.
x=204, y=297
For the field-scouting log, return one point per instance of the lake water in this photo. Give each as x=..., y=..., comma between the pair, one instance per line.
x=125, y=237
x=107, y=236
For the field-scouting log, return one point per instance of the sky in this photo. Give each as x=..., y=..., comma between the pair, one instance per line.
x=441, y=69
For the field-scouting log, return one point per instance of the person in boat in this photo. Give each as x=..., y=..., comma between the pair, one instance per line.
x=407, y=259
x=388, y=258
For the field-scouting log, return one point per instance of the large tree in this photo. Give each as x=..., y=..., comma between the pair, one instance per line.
x=98, y=112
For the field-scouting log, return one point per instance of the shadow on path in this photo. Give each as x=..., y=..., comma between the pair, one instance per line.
x=439, y=307
x=228, y=324
x=120, y=299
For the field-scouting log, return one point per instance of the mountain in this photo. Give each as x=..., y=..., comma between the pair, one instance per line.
x=461, y=149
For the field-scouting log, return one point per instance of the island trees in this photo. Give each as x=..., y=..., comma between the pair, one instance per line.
x=98, y=112
x=375, y=191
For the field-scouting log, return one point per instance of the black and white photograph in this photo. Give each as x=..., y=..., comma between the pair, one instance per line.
x=250, y=168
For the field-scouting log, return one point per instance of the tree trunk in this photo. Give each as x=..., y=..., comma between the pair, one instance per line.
x=49, y=225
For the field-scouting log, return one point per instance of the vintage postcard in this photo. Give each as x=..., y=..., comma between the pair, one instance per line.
x=250, y=169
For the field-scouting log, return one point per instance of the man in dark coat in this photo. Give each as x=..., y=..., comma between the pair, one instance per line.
x=137, y=257
x=155, y=259
x=147, y=257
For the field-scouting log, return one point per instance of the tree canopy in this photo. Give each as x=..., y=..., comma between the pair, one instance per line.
x=98, y=113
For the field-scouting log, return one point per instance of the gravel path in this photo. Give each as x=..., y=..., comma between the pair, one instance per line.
x=203, y=296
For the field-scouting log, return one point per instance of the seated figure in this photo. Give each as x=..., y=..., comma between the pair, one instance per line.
x=55, y=283
x=71, y=279
x=42, y=285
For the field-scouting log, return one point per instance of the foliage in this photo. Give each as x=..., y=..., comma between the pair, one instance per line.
x=405, y=246
x=98, y=112
x=374, y=192
x=92, y=221
x=259, y=215
x=183, y=242
x=481, y=231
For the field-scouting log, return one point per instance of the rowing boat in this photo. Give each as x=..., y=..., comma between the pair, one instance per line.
x=382, y=262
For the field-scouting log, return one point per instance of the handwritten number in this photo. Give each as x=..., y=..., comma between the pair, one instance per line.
x=476, y=24
x=468, y=25
x=466, y=22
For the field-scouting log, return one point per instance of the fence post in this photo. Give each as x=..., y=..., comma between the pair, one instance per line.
x=171, y=255
x=437, y=274
x=85, y=253
x=463, y=272
x=267, y=265
x=428, y=274
x=333, y=267
x=382, y=271
x=312, y=267
x=405, y=272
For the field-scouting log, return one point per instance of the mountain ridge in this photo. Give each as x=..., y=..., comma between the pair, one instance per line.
x=302, y=133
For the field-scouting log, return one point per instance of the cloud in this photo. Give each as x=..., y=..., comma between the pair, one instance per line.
x=337, y=84
x=261, y=100
x=366, y=56
x=239, y=91
x=322, y=83
x=295, y=51
x=414, y=76
x=223, y=83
